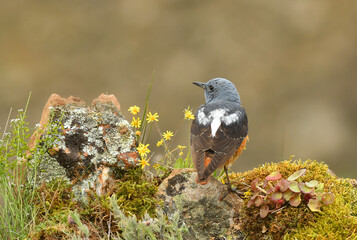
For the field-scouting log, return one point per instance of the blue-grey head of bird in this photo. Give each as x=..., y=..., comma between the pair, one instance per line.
x=219, y=89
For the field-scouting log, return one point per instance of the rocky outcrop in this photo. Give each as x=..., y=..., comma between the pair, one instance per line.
x=89, y=146
x=199, y=206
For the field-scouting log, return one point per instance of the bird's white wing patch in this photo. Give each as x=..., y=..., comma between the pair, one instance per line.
x=216, y=116
x=202, y=118
x=231, y=118
x=214, y=126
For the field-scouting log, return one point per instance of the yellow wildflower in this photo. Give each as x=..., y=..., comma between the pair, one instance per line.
x=188, y=114
x=159, y=143
x=144, y=162
x=156, y=165
x=181, y=147
x=247, y=194
x=134, y=110
x=137, y=133
x=167, y=135
x=143, y=150
x=152, y=118
x=136, y=122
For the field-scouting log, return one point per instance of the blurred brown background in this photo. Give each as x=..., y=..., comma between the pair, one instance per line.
x=293, y=62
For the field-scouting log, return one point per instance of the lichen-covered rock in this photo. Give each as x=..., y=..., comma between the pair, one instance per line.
x=199, y=206
x=90, y=145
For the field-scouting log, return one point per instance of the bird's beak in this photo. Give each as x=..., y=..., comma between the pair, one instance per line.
x=201, y=85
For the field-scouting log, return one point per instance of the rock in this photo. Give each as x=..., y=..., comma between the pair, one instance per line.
x=199, y=206
x=90, y=146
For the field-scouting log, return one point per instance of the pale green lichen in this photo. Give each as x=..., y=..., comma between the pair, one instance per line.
x=48, y=169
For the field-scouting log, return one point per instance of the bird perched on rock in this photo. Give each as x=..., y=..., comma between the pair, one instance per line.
x=219, y=131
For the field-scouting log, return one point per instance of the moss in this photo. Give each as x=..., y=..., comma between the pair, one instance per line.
x=54, y=202
x=135, y=194
x=335, y=221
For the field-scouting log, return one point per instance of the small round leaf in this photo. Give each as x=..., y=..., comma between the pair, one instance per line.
x=283, y=185
x=328, y=198
x=258, y=201
x=264, y=210
x=304, y=188
x=314, y=205
x=296, y=174
x=320, y=188
x=287, y=195
x=254, y=184
x=312, y=183
x=295, y=200
x=276, y=196
x=274, y=176
x=294, y=186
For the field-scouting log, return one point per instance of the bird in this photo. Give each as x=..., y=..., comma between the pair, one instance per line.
x=219, y=131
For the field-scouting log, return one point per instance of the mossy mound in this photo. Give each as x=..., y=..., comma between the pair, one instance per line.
x=54, y=201
x=335, y=221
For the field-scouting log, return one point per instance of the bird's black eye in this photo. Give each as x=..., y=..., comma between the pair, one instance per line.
x=211, y=87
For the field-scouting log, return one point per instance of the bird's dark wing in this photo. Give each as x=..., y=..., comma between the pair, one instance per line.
x=210, y=153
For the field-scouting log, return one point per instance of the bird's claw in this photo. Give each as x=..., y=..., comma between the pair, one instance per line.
x=231, y=190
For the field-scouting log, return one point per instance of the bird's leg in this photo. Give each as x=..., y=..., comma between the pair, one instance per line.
x=229, y=187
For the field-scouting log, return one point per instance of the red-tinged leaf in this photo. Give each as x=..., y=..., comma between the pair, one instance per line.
x=296, y=175
x=295, y=199
x=254, y=185
x=294, y=187
x=274, y=176
x=287, y=195
x=258, y=201
x=314, y=205
x=328, y=198
x=279, y=203
x=283, y=185
x=265, y=183
x=320, y=188
x=304, y=188
x=269, y=188
x=312, y=183
x=307, y=197
x=250, y=203
x=277, y=196
x=264, y=210
x=254, y=195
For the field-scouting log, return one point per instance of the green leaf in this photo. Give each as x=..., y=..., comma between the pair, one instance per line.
x=276, y=196
x=296, y=174
x=312, y=183
x=294, y=186
x=320, y=188
x=314, y=205
x=287, y=195
x=295, y=200
x=304, y=188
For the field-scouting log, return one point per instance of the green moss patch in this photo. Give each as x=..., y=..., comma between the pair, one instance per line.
x=335, y=221
x=54, y=203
